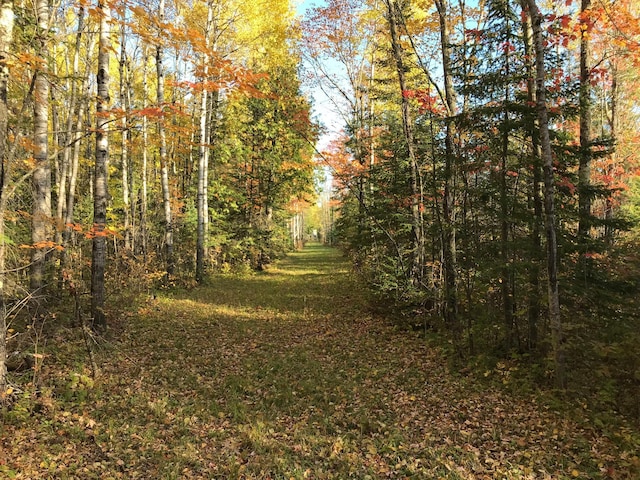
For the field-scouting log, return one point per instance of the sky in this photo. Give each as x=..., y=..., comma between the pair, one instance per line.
x=302, y=5
x=323, y=109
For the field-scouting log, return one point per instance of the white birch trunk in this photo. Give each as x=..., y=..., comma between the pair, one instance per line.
x=74, y=112
x=555, y=320
x=41, y=180
x=77, y=145
x=6, y=36
x=145, y=142
x=164, y=164
x=124, y=146
x=100, y=191
x=203, y=161
x=449, y=231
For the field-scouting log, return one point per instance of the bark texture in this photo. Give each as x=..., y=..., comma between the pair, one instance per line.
x=584, y=166
x=6, y=36
x=407, y=126
x=41, y=226
x=448, y=230
x=164, y=163
x=100, y=192
x=555, y=320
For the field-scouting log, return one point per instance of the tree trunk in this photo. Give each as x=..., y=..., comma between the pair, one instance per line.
x=613, y=128
x=145, y=159
x=203, y=160
x=549, y=199
x=71, y=137
x=124, y=147
x=6, y=37
x=506, y=270
x=100, y=192
x=57, y=137
x=407, y=125
x=212, y=126
x=505, y=281
x=164, y=164
x=536, y=193
x=449, y=232
x=41, y=180
x=584, y=166
x=81, y=115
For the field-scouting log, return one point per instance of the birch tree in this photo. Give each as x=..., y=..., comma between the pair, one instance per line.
x=100, y=188
x=6, y=36
x=41, y=180
x=144, y=195
x=448, y=229
x=203, y=156
x=72, y=135
x=125, y=105
x=555, y=320
x=417, y=260
x=162, y=150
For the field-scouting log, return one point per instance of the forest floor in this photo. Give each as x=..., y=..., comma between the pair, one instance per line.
x=286, y=374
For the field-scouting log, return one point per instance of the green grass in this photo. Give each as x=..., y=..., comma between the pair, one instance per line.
x=286, y=374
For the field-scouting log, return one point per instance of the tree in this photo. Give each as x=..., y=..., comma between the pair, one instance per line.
x=101, y=175
x=339, y=45
x=448, y=229
x=203, y=157
x=41, y=216
x=549, y=197
x=536, y=193
x=6, y=37
x=125, y=162
x=144, y=188
x=72, y=136
x=162, y=150
x=271, y=161
x=417, y=205
x=584, y=169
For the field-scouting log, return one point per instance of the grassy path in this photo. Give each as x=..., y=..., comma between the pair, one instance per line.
x=285, y=375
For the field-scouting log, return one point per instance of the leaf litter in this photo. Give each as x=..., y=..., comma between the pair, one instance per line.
x=286, y=374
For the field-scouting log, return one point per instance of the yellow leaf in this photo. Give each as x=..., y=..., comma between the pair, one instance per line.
x=575, y=473
x=8, y=391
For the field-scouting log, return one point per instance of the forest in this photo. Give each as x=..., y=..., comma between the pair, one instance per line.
x=277, y=193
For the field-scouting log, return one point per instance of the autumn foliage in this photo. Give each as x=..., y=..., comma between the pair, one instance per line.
x=479, y=169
